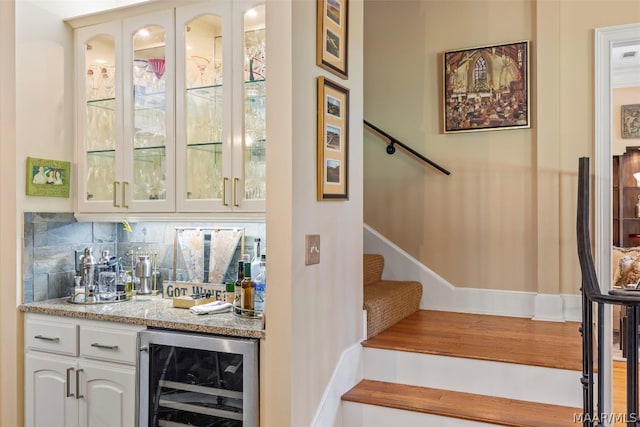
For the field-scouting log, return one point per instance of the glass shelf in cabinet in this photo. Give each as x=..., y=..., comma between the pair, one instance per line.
x=211, y=93
x=205, y=146
x=103, y=153
x=106, y=103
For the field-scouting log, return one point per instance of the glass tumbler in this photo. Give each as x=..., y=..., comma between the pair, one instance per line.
x=107, y=285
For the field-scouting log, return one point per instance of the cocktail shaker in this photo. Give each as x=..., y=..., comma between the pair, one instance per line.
x=143, y=272
x=88, y=274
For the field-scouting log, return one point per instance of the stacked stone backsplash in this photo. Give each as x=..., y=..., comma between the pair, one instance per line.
x=52, y=239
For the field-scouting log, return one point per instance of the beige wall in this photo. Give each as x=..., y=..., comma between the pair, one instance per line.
x=505, y=218
x=10, y=330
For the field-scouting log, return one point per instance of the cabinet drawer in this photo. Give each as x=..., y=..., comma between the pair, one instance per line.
x=52, y=336
x=109, y=344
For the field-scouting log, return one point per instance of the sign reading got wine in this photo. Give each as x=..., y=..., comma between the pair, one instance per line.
x=172, y=289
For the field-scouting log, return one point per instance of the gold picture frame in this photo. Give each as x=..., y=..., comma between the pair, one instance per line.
x=630, y=118
x=48, y=178
x=486, y=88
x=332, y=36
x=333, y=141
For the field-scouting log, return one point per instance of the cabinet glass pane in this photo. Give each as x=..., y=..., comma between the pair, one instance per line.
x=149, y=119
x=254, y=104
x=203, y=76
x=100, y=175
x=100, y=116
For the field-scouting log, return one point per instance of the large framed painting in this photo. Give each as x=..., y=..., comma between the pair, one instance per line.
x=333, y=141
x=486, y=88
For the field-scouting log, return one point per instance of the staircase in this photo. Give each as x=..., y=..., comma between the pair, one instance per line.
x=454, y=369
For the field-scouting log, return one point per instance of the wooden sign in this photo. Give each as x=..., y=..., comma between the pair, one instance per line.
x=180, y=289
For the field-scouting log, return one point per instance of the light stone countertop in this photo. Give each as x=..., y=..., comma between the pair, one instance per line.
x=152, y=312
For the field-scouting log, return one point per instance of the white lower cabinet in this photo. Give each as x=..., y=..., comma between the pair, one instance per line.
x=79, y=373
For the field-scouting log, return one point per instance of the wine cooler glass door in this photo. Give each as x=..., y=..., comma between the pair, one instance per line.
x=197, y=380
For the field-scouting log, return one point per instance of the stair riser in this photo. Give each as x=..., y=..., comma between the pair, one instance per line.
x=508, y=380
x=359, y=415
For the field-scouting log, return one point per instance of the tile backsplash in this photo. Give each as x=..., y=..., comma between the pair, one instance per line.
x=52, y=239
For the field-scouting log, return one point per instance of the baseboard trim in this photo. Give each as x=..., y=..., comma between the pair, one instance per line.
x=441, y=295
x=347, y=373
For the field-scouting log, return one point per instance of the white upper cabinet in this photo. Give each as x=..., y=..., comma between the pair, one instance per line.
x=171, y=111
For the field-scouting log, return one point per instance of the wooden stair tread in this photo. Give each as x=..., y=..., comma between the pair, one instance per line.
x=473, y=407
x=486, y=337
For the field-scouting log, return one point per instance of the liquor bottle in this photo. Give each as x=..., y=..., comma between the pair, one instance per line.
x=255, y=262
x=261, y=284
x=238, y=287
x=247, y=292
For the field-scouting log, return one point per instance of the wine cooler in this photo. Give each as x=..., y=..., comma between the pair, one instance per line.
x=189, y=379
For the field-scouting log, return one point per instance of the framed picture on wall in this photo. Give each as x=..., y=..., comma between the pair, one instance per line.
x=49, y=178
x=332, y=36
x=486, y=88
x=333, y=141
x=630, y=117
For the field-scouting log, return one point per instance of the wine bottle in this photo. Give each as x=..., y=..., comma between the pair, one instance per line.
x=247, y=292
x=238, y=287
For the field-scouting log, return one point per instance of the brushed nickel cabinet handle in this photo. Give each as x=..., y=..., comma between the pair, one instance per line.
x=225, y=180
x=106, y=347
x=78, y=395
x=44, y=338
x=115, y=192
x=124, y=194
x=69, y=394
x=235, y=191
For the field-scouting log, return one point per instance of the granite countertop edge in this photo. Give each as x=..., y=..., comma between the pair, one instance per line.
x=220, y=324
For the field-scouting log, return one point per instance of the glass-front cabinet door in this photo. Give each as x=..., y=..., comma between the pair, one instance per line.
x=99, y=115
x=171, y=111
x=149, y=136
x=221, y=72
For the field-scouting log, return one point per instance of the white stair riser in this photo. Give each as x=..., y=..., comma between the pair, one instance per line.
x=508, y=380
x=360, y=415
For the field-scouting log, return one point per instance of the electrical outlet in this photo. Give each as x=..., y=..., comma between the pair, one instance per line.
x=312, y=249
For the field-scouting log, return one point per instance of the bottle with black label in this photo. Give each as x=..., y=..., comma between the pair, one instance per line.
x=238, y=287
x=247, y=292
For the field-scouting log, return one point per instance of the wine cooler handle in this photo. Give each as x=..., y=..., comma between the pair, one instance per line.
x=69, y=394
x=144, y=348
x=78, y=395
x=115, y=192
x=225, y=180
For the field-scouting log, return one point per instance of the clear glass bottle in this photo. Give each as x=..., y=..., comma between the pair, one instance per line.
x=261, y=284
x=255, y=262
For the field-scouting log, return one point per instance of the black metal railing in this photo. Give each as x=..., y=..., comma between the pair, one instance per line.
x=391, y=142
x=591, y=295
